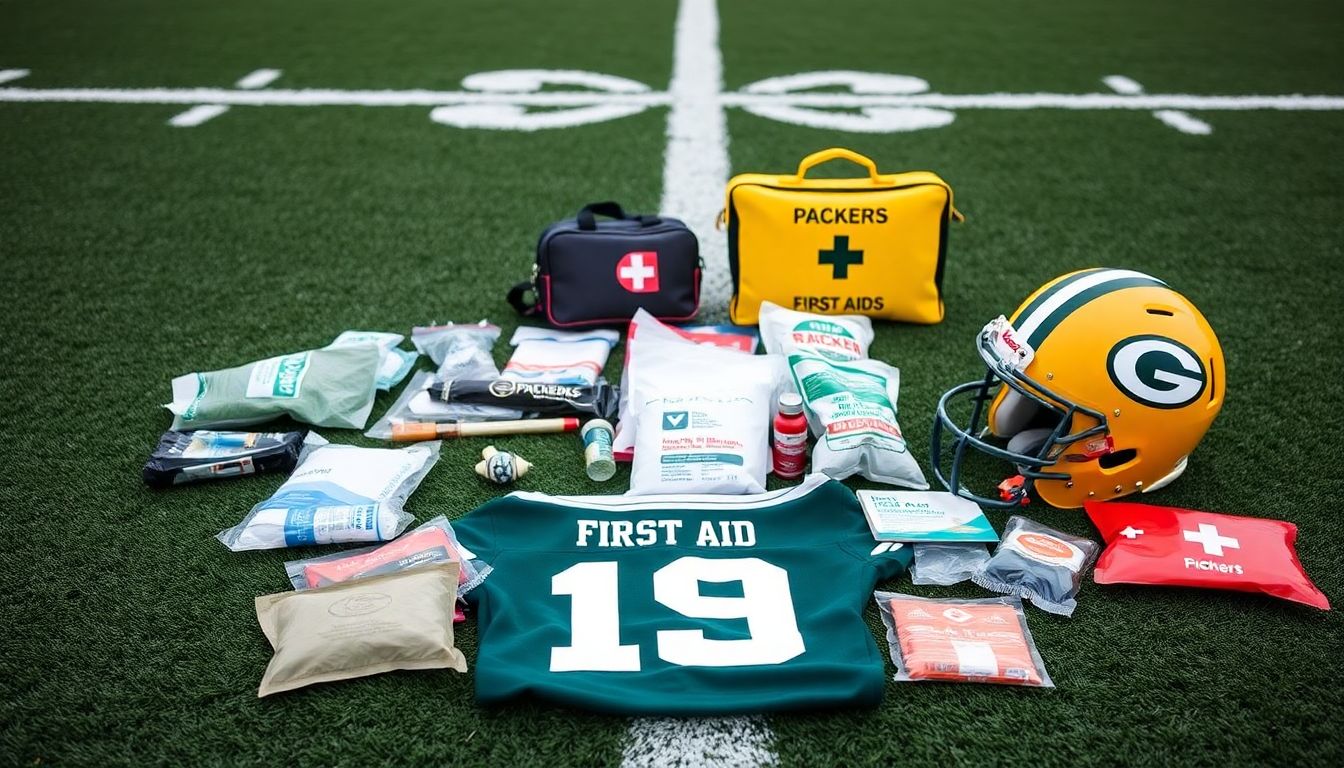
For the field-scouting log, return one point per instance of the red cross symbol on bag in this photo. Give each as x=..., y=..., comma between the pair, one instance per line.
x=637, y=272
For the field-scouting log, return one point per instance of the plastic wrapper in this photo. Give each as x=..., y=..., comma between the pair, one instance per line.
x=833, y=337
x=1147, y=544
x=1038, y=564
x=961, y=641
x=658, y=355
x=947, y=564
x=337, y=494
x=330, y=387
x=189, y=457
x=559, y=357
x=395, y=363
x=851, y=408
x=599, y=399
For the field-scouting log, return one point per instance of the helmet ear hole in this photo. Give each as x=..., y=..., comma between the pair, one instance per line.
x=1116, y=459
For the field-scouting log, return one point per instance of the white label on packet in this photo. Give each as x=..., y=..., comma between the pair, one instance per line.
x=1044, y=549
x=975, y=659
x=278, y=377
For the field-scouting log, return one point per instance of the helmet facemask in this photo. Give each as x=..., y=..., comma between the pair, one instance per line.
x=1037, y=423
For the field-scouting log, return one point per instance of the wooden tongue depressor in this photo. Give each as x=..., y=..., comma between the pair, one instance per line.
x=422, y=430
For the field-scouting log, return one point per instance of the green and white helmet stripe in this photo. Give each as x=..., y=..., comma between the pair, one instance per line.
x=1035, y=322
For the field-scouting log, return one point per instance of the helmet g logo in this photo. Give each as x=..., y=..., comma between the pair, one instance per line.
x=1157, y=371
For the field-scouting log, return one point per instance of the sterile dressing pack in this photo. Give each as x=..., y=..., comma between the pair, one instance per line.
x=337, y=494
x=330, y=387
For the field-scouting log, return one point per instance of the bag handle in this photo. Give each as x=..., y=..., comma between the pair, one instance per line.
x=517, y=298
x=611, y=209
x=836, y=153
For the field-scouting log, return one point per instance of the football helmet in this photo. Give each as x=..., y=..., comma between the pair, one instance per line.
x=1099, y=385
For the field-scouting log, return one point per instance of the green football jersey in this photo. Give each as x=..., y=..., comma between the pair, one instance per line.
x=679, y=605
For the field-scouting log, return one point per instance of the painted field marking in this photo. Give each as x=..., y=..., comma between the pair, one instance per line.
x=695, y=170
x=695, y=163
x=258, y=79
x=199, y=114
x=1175, y=118
x=735, y=742
x=325, y=97
x=7, y=75
x=196, y=115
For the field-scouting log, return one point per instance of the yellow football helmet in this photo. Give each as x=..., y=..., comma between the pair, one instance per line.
x=1101, y=384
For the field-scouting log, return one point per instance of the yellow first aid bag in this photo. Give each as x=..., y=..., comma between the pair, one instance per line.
x=873, y=245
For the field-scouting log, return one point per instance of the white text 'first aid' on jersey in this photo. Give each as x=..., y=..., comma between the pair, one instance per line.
x=679, y=605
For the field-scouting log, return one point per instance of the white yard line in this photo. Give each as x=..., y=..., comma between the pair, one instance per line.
x=7, y=75
x=1181, y=121
x=735, y=742
x=197, y=115
x=322, y=97
x=258, y=79
x=695, y=169
x=695, y=165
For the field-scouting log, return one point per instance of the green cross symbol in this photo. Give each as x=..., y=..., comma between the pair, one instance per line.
x=840, y=257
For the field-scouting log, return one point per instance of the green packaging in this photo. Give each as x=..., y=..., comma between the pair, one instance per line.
x=331, y=387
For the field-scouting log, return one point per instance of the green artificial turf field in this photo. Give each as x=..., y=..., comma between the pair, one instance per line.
x=134, y=251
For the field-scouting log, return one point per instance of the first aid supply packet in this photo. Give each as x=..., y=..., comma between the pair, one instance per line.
x=429, y=543
x=188, y=457
x=851, y=408
x=1039, y=564
x=946, y=564
x=329, y=387
x=658, y=355
x=402, y=620
x=461, y=351
x=961, y=641
x=395, y=363
x=836, y=337
x=337, y=494
x=924, y=516
x=559, y=357
x=1147, y=544
x=697, y=437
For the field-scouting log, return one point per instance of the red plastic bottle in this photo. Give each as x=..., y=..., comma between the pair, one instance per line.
x=789, y=447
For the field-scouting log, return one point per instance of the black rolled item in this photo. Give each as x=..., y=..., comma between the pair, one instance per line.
x=601, y=400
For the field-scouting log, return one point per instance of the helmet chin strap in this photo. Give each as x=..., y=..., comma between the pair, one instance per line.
x=1172, y=475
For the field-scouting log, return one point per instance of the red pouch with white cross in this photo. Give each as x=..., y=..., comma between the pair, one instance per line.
x=1146, y=544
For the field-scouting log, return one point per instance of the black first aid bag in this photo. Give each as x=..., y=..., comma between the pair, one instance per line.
x=592, y=272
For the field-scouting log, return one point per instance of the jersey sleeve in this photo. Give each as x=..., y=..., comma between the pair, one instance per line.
x=476, y=532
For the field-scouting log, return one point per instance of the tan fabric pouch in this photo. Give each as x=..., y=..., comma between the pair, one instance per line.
x=403, y=620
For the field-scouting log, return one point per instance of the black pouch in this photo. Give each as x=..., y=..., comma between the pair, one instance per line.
x=591, y=272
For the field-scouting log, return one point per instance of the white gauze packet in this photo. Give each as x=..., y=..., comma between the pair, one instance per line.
x=832, y=337
x=695, y=438
x=337, y=494
x=851, y=408
x=656, y=353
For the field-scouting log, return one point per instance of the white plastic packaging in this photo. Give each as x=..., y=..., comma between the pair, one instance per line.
x=657, y=355
x=851, y=408
x=559, y=357
x=833, y=337
x=694, y=438
x=947, y=564
x=337, y=494
x=395, y=363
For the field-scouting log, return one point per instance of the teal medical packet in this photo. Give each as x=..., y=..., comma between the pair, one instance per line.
x=915, y=516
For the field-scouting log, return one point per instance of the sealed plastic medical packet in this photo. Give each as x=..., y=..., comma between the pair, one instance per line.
x=338, y=493
x=328, y=387
x=188, y=457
